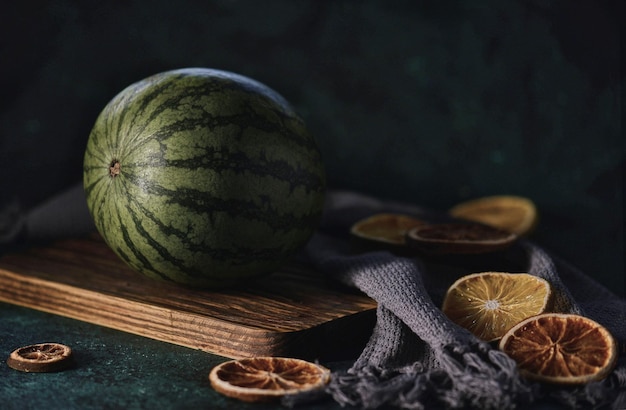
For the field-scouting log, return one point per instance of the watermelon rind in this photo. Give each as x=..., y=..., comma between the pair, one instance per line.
x=203, y=177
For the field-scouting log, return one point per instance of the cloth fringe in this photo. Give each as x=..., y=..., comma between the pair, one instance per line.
x=470, y=377
x=609, y=393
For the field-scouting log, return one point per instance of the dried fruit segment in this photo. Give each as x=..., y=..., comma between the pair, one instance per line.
x=507, y=212
x=561, y=348
x=488, y=304
x=385, y=227
x=459, y=238
x=41, y=358
x=263, y=379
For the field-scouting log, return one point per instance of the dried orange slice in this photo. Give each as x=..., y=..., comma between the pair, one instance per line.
x=385, y=227
x=507, y=212
x=41, y=358
x=561, y=348
x=461, y=238
x=264, y=379
x=488, y=304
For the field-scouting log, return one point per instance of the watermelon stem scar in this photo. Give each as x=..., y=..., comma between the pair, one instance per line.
x=114, y=168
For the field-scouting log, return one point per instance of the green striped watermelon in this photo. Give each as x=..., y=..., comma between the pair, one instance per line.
x=202, y=177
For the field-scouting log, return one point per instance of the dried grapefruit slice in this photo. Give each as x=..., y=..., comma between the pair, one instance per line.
x=488, y=304
x=460, y=238
x=561, y=348
x=41, y=358
x=264, y=379
x=388, y=228
x=507, y=212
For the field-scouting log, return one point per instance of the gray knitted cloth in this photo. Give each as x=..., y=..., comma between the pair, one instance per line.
x=416, y=358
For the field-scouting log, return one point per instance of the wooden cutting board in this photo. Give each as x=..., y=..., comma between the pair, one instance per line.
x=293, y=312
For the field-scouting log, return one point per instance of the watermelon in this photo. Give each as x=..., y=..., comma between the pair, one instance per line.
x=202, y=177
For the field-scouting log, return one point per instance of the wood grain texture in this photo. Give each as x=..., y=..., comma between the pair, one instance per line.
x=293, y=312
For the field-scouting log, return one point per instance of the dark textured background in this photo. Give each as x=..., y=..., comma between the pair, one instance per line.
x=428, y=102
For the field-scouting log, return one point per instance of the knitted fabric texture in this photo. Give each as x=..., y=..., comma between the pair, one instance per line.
x=416, y=357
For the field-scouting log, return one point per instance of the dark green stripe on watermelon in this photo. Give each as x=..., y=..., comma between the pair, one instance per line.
x=219, y=179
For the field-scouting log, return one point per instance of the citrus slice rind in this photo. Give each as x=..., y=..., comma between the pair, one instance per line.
x=458, y=238
x=388, y=228
x=266, y=379
x=561, y=348
x=41, y=358
x=488, y=304
x=511, y=213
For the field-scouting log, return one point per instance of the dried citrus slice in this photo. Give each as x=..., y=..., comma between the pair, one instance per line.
x=488, y=304
x=561, y=348
x=465, y=238
x=385, y=227
x=40, y=358
x=263, y=379
x=511, y=213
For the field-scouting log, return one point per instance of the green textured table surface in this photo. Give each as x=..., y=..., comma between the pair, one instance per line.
x=113, y=369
